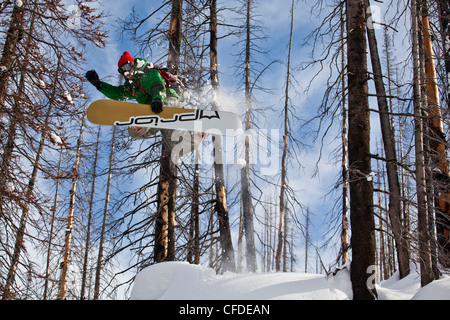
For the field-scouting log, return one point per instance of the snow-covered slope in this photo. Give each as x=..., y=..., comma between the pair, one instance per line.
x=183, y=281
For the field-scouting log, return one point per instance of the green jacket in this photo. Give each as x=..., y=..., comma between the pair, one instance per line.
x=147, y=85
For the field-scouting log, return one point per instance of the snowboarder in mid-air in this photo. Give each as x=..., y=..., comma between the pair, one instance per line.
x=145, y=83
x=154, y=88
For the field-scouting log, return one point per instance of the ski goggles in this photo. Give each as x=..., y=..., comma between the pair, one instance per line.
x=126, y=67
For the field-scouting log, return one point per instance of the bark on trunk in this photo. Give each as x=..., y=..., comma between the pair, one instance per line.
x=228, y=261
x=13, y=36
x=361, y=189
x=165, y=217
x=438, y=145
x=246, y=193
x=105, y=217
x=419, y=118
x=68, y=238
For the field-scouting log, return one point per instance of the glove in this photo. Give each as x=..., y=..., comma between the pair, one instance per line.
x=157, y=106
x=93, y=78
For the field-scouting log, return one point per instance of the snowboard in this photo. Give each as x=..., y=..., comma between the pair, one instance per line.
x=127, y=114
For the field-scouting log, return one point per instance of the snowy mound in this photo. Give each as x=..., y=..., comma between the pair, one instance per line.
x=436, y=290
x=395, y=288
x=409, y=287
x=183, y=281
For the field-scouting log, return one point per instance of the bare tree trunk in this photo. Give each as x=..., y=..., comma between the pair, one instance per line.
x=246, y=194
x=283, y=209
x=14, y=35
x=361, y=189
x=344, y=228
x=193, y=246
x=165, y=217
x=26, y=204
x=196, y=215
x=382, y=232
x=166, y=205
x=68, y=238
x=308, y=213
x=175, y=32
x=228, y=261
x=240, y=255
x=88, y=227
x=105, y=217
x=52, y=227
x=405, y=212
x=439, y=164
x=422, y=200
x=395, y=207
x=444, y=17
x=6, y=162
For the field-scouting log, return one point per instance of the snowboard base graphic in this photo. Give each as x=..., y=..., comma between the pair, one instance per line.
x=128, y=114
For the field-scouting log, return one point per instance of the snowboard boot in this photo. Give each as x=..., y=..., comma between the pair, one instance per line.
x=141, y=132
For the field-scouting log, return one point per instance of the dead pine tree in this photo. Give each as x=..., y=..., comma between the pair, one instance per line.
x=395, y=207
x=344, y=159
x=101, y=245
x=7, y=156
x=438, y=144
x=13, y=36
x=9, y=54
x=228, y=261
x=87, y=246
x=193, y=245
x=283, y=209
x=419, y=101
x=165, y=218
x=246, y=194
x=62, y=287
x=444, y=18
x=361, y=189
x=52, y=227
x=307, y=236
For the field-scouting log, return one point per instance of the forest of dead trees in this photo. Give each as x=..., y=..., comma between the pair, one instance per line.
x=83, y=208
